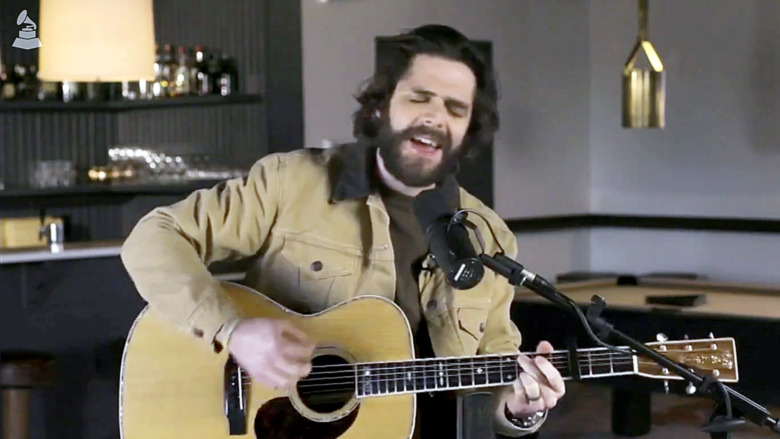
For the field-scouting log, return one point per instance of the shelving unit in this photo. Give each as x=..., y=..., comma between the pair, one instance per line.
x=104, y=189
x=128, y=105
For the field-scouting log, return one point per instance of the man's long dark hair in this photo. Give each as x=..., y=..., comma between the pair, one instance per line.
x=438, y=40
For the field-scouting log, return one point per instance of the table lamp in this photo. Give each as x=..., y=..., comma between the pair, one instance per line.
x=96, y=40
x=644, y=89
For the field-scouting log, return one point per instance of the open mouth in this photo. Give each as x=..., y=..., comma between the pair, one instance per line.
x=425, y=144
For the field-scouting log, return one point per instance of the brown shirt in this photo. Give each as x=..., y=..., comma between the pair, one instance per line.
x=409, y=248
x=435, y=412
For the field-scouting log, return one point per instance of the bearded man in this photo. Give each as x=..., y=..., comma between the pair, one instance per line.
x=322, y=226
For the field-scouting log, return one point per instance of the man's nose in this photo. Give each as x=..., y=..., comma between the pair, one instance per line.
x=433, y=120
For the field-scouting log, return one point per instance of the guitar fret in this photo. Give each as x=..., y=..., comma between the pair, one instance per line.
x=391, y=381
x=480, y=371
x=430, y=375
x=590, y=363
x=493, y=370
x=382, y=377
x=511, y=375
x=453, y=374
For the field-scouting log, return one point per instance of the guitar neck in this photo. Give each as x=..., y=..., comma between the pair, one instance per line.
x=438, y=374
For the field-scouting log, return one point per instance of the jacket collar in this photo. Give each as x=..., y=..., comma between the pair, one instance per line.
x=353, y=174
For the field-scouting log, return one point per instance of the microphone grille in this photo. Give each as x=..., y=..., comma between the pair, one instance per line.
x=429, y=206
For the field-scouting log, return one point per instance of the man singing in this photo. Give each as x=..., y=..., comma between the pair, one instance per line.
x=322, y=226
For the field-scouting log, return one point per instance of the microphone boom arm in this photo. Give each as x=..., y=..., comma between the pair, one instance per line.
x=517, y=275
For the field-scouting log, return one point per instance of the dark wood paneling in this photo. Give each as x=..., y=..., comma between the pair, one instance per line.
x=27, y=137
x=284, y=75
x=235, y=27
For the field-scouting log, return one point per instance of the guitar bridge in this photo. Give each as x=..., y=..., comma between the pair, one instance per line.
x=235, y=398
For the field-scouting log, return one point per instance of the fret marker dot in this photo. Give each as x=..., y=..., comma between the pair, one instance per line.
x=509, y=377
x=368, y=372
x=479, y=370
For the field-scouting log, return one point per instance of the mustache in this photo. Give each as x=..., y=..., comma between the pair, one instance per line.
x=442, y=138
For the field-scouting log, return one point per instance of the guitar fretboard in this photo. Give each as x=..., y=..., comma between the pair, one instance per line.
x=437, y=374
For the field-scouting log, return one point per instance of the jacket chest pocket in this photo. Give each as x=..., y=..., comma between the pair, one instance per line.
x=324, y=274
x=472, y=308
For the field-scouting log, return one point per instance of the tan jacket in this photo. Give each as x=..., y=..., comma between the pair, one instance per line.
x=317, y=235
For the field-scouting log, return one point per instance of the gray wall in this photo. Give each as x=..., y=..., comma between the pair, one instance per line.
x=720, y=152
x=562, y=150
x=541, y=56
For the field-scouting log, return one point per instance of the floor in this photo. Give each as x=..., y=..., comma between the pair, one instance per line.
x=585, y=413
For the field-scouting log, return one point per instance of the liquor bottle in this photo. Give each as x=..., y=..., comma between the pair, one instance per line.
x=201, y=80
x=181, y=83
x=156, y=90
x=214, y=68
x=228, y=78
x=3, y=81
x=14, y=87
x=169, y=67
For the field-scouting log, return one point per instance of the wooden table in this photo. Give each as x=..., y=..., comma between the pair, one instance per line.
x=748, y=313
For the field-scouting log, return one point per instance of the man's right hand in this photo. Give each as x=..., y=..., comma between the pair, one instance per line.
x=273, y=352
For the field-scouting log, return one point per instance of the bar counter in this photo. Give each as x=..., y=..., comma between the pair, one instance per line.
x=81, y=250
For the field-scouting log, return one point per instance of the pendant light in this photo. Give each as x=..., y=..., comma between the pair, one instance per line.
x=644, y=88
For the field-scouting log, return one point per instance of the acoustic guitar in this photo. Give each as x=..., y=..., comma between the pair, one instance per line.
x=362, y=385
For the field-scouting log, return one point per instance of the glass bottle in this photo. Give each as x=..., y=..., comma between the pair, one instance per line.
x=169, y=67
x=201, y=80
x=181, y=83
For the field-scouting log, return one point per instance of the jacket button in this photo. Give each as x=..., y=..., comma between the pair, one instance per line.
x=198, y=332
x=482, y=327
x=316, y=266
x=432, y=304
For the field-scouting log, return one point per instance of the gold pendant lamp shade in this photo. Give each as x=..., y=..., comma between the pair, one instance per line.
x=644, y=88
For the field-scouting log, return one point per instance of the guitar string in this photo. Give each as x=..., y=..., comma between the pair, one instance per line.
x=557, y=355
x=419, y=384
x=454, y=366
x=393, y=378
x=385, y=367
x=459, y=364
x=392, y=371
x=394, y=375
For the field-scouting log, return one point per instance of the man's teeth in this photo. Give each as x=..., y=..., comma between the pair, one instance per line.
x=426, y=141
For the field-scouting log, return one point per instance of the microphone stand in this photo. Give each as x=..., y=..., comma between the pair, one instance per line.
x=719, y=426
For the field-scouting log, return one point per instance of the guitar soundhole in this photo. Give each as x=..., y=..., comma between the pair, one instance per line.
x=327, y=392
x=329, y=386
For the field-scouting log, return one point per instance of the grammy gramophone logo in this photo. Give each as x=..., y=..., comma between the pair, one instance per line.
x=28, y=38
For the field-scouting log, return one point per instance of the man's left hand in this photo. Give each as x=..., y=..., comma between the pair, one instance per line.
x=538, y=387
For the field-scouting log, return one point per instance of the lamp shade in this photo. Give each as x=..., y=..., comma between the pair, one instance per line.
x=644, y=90
x=96, y=40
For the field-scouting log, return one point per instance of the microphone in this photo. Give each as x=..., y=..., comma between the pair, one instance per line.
x=449, y=244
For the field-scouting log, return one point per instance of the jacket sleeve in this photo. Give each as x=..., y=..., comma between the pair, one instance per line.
x=167, y=253
x=502, y=336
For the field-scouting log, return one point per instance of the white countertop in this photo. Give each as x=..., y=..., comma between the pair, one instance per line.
x=79, y=250
x=70, y=250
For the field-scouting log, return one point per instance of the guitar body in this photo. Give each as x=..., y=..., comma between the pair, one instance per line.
x=173, y=385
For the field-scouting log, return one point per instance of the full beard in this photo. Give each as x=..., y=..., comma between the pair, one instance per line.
x=412, y=170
